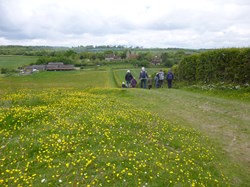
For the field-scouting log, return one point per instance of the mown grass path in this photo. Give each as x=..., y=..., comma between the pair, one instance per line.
x=223, y=120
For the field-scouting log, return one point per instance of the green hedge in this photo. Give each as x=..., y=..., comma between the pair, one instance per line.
x=227, y=65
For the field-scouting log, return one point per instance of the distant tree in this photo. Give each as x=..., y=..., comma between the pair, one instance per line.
x=69, y=53
x=134, y=62
x=107, y=52
x=100, y=56
x=85, y=55
x=93, y=57
x=123, y=54
x=144, y=63
x=180, y=53
x=42, y=60
x=166, y=60
x=145, y=56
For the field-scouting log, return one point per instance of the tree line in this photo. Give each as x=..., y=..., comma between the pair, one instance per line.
x=136, y=58
x=95, y=55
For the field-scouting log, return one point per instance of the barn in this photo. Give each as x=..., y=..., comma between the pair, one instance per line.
x=59, y=66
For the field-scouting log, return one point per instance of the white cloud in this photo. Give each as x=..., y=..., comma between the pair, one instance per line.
x=148, y=23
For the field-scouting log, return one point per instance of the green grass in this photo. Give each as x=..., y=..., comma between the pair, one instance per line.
x=225, y=121
x=231, y=91
x=74, y=128
x=70, y=79
x=13, y=61
x=71, y=137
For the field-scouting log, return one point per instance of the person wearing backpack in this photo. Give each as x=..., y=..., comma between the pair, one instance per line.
x=128, y=78
x=156, y=79
x=143, y=78
x=169, y=78
x=161, y=78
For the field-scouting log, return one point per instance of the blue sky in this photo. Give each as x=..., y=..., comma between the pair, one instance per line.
x=147, y=23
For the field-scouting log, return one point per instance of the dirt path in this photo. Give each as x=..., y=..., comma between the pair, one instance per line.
x=224, y=121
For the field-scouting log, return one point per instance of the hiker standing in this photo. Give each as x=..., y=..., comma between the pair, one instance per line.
x=156, y=79
x=143, y=77
x=150, y=82
x=161, y=78
x=169, y=78
x=128, y=78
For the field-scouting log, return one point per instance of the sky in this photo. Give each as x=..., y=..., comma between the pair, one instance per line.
x=192, y=24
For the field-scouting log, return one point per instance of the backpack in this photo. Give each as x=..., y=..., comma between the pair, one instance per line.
x=143, y=74
x=161, y=76
x=170, y=76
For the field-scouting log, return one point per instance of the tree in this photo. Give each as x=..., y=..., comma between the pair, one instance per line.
x=123, y=54
x=69, y=53
x=166, y=60
x=145, y=56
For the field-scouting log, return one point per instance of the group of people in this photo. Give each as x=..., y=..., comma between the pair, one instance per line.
x=130, y=81
x=146, y=80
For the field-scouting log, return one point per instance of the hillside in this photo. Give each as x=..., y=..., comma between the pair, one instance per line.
x=217, y=123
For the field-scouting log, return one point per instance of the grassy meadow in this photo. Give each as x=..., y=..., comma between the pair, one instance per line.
x=14, y=61
x=74, y=79
x=78, y=129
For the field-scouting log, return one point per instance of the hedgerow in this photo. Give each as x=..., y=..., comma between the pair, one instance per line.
x=225, y=65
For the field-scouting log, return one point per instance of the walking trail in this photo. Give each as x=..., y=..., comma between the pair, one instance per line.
x=224, y=121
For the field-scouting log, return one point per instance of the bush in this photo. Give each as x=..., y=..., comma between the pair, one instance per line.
x=4, y=70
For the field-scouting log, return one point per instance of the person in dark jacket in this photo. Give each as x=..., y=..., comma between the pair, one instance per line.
x=169, y=78
x=143, y=77
x=128, y=78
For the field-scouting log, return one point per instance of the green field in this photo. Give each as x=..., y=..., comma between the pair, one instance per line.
x=13, y=62
x=78, y=129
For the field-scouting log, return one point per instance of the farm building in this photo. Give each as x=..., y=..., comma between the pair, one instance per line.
x=132, y=56
x=111, y=57
x=35, y=68
x=156, y=60
x=59, y=66
x=51, y=66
